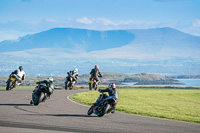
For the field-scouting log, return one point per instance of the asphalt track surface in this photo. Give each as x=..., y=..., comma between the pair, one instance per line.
x=59, y=114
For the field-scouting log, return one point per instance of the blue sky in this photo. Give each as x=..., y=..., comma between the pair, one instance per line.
x=22, y=17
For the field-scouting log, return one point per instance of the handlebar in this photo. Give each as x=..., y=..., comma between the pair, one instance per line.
x=100, y=91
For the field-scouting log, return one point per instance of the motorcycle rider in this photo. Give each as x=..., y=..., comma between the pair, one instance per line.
x=49, y=85
x=112, y=91
x=74, y=74
x=96, y=73
x=19, y=74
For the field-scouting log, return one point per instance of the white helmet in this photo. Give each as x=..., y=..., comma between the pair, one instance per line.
x=76, y=69
x=112, y=85
x=50, y=79
x=96, y=67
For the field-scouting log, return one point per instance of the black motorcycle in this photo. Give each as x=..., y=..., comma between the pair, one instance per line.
x=104, y=107
x=11, y=82
x=39, y=94
x=69, y=82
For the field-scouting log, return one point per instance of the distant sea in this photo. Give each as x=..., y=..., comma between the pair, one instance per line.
x=190, y=82
x=182, y=82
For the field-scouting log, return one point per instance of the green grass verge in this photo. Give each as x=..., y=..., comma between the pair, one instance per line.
x=19, y=88
x=175, y=104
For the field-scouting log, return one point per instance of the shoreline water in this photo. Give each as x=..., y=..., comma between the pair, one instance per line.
x=180, y=82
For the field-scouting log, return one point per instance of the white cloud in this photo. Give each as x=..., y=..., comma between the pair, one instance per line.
x=102, y=21
x=85, y=20
x=196, y=23
x=50, y=20
x=10, y=35
x=105, y=21
x=126, y=22
x=138, y=24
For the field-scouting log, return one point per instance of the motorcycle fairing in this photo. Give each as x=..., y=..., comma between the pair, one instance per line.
x=11, y=78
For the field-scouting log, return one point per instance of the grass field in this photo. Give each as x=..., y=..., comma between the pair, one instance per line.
x=19, y=88
x=175, y=104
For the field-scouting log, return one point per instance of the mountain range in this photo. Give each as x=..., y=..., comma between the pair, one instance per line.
x=55, y=51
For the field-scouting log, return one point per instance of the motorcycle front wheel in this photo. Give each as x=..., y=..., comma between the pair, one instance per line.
x=66, y=85
x=104, y=110
x=8, y=85
x=35, y=99
x=70, y=86
x=90, y=111
x=90, y=86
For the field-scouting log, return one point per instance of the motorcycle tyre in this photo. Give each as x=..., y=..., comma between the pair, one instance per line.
x=94, y=84
x=90, y=86
x=104, y=111
x=68, y=85
x=8, y=85
x=31, y=102
x=95, y=87
x=36, y=99
x=90, y=111
x=65, y=86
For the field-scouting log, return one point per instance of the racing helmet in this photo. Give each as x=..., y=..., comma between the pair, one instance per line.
x=112, y=85
x=50, y=79
x=20, y=68
x=96, y=67
x=76, y=69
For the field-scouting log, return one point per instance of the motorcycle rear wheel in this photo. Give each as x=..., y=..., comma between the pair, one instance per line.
x=95, y=87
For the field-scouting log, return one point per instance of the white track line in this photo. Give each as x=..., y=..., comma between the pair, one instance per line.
x=68, y=97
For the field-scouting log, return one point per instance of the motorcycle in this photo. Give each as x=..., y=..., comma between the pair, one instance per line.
x=39, y=94
x=69, y=83
x=104, y=107
x=11, y=82
x=93, y=83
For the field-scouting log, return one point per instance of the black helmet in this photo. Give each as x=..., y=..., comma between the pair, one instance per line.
x=20, y=68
